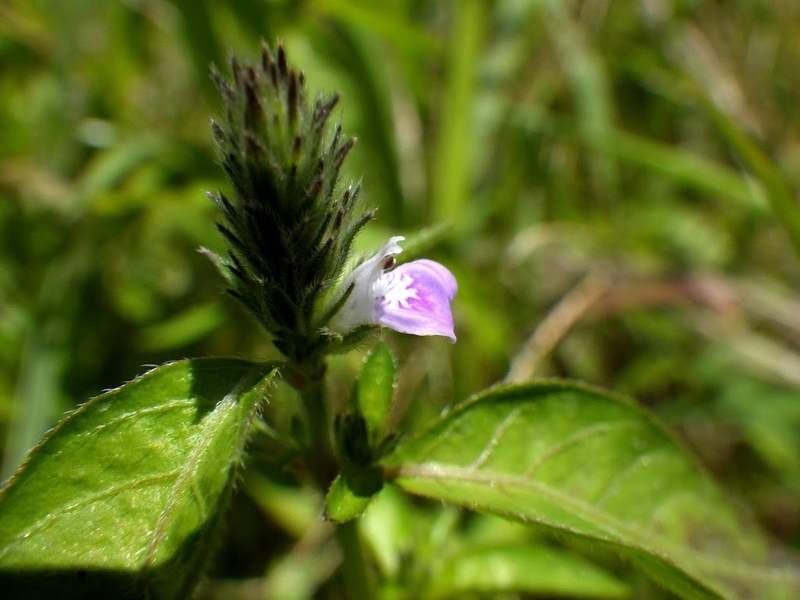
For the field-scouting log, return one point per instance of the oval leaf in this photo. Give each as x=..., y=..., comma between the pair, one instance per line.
x=123, y=497
x=590, y=464
x=375, y=389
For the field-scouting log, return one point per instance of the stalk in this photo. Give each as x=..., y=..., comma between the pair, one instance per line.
x=322, y=463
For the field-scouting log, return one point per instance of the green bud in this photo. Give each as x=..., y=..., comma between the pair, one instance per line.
x=288, y=225
x=356, y=458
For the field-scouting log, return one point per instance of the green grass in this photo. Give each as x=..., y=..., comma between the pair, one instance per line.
x=655, y=144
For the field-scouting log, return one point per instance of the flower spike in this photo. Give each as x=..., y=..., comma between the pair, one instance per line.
x=288, y=222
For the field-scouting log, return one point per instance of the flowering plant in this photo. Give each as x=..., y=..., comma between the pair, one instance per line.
x=127, y=495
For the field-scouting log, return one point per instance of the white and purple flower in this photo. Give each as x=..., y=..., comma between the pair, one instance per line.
x=411, y=298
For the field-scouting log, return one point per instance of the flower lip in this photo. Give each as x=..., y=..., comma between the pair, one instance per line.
x=411, y=298
x=416, y=299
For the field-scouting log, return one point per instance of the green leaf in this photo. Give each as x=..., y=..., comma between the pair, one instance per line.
x=375, y=389
x=342, y=504
x=124, y=496
x=534, y=569
x=585, y=463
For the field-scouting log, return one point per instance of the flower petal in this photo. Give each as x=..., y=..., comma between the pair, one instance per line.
x=359, y=307
x=415, y=298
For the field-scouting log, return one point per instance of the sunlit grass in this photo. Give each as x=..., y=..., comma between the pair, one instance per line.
x=649, y=146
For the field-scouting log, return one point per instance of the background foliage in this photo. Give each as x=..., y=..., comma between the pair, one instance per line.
x=613, y=184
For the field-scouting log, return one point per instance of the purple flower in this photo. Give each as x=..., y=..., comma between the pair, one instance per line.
x=411, y=298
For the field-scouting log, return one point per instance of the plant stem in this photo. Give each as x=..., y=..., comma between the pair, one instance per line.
x=321, y=457
x=355, y=570
x=323, y=465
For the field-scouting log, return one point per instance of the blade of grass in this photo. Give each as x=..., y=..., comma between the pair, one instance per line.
x=779, y=194
x=587, y=75
x=677, y=164
x=680, y=165
x=451, y=167
x=403, y=35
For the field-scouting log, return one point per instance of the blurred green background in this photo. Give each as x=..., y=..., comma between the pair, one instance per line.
x=614, y=185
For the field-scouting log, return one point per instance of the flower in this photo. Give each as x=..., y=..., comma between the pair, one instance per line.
x=411, y=298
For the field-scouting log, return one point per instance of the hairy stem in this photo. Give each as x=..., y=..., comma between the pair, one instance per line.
x=323, y=465
x=320, y=454
x=355, y=571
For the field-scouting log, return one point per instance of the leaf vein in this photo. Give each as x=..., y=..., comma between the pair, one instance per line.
x=577, y=437
x=642, y=460
x=85, y=501
x=499, y=431
x=169, y=405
